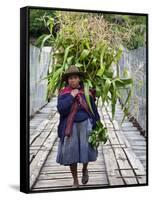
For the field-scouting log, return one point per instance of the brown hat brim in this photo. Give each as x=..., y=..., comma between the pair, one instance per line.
x=65, y=76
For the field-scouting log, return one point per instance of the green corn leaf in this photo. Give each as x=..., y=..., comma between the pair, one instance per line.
x=51, y=24
x=126, y=104
x=126, y=109
x=127, y=81
x=102, y=66
x=69, y=60
x=114, y=99
x=66, y=66
x=46, y=77
x=87, y=45
x=123, y=82
x=126, y=73
x=127, y=99
x=89, y=83
x=118, y=93
x=102, y=55
x=78, y=65
x=39, y=40
x=108, y=74
x=87, y=96
x=106, y=90
x=94, y=62
x=45, y=39
x=57, y=70
x=98, y=91
x=66, y=54
x=101, y=70
x=110, y=59
x=99, y=123
x=118, y=55
x=42, y=44
x=55, y=80
x=84, y=54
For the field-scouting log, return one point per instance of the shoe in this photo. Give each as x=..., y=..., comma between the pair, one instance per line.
x=85, y=176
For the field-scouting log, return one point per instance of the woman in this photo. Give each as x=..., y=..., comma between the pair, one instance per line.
x=76, y=122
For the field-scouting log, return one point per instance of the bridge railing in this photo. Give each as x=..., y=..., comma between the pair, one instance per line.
x=38, y=70
x=135, y=62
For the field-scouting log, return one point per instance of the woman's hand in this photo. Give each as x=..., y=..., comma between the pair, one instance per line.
x=74, y=92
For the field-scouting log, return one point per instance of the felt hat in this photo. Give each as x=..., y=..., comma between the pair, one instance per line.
x=72, y=70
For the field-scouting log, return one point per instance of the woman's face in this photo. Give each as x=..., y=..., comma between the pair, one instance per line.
x=73, y=81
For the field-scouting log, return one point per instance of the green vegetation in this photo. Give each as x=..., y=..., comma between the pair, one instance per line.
x=37, y=25
x=87, y=41
x=98, y=135
x=130, y=30
x=92, y=42
x=132, y=26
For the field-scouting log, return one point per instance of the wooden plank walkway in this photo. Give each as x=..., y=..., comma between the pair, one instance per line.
x=122, y=161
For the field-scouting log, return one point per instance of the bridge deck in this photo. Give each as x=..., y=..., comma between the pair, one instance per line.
x=122, y=161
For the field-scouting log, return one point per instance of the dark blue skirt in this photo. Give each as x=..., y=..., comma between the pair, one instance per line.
x=76, y=149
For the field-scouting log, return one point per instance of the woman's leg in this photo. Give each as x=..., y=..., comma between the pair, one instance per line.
x=85, y=165
x=73, y=168
x=85, y=176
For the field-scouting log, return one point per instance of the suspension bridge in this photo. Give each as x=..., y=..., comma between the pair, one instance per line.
x=121, y=161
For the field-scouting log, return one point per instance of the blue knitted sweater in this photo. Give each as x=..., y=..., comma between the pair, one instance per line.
x=64, y=105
